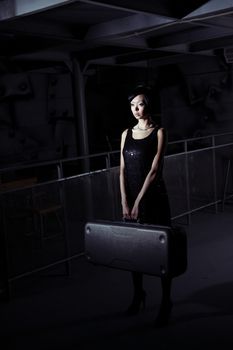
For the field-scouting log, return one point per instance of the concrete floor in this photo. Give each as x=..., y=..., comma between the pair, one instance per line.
x=86, y=310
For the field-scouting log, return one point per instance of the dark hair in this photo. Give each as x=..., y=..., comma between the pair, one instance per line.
x=141, y=90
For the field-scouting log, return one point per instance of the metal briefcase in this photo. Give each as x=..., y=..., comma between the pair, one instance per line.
x=149, y=249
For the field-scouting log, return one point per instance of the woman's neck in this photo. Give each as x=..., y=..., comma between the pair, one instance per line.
x=145, y=124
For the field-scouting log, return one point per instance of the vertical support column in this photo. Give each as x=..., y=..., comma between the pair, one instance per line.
x=80, y=109
x=82, y=131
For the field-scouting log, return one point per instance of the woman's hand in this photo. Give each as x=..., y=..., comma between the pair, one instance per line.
x=126, y=211
x=135, y=211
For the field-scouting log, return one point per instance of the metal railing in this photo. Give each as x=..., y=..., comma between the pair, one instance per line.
x=106, y=160
x=74, y=191
x=218, y=147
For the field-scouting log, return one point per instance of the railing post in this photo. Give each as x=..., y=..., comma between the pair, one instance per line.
x=108, y=161
x=59, y=170
x=214, y=174
x=187, y=181
x=6, y=287
x=62, y=194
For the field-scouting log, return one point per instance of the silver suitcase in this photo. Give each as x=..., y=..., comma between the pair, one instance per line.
x=149, y=249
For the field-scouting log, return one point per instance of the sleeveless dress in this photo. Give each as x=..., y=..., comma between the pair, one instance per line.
x=138, y=157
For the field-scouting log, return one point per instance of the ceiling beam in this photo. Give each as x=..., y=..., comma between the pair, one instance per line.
x=143, y=56
x=218, y=22
x=125, y=26
x=12, y=8
x=211, y=44
x=168, y=8
x=131, y=6
x=187, y=36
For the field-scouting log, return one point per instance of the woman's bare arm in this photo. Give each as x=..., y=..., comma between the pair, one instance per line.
x=152, y=173
x=124, y=203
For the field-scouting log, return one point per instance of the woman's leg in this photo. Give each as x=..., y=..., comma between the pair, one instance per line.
x=137, y=282
x=166, y=283
x=166, y=303
x=139, y=294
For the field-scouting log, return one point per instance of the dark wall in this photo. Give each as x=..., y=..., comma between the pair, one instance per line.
x=191, y=99
x=36, y=117
x=37, y=120
x=107, y=104
x=199, y=103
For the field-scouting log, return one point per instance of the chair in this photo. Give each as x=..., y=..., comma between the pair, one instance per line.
x=48, y=212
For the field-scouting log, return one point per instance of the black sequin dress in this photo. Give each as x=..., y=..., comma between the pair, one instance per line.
x=138, y=157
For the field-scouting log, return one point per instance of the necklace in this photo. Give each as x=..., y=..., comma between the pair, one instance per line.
x=143, y=129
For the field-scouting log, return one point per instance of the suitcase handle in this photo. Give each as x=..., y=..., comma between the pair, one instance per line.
x=131, y=220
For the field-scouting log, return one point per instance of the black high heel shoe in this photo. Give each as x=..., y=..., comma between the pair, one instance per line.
x=164, y=314
x=138, y=303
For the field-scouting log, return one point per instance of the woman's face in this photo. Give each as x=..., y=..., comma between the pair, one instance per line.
x=138, y=107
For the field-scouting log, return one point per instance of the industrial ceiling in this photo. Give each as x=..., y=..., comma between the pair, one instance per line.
x=115, y=32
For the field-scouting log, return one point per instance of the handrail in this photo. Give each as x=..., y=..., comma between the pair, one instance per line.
x=200, y=138
x=55, y=161
x=50, y=182
x=200, y=149
x=107, y=155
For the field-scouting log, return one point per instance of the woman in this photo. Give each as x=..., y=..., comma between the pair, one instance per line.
x=143, y=192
